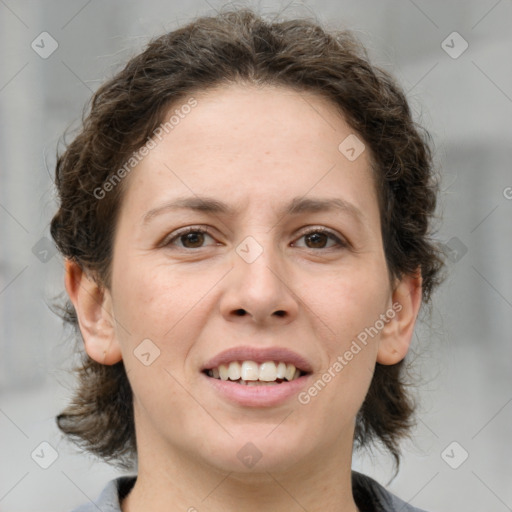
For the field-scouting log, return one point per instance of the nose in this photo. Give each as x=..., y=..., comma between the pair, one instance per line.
x=259, y=292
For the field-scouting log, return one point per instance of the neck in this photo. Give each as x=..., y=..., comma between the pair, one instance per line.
x=172, y=480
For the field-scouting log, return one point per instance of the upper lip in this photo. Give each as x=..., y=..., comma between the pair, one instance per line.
x=259, y=355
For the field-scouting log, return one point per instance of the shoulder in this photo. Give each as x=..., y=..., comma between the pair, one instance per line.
x=370, y=496
x=110, y=498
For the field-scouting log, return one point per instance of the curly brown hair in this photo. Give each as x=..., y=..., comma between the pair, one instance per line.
x=239, y=46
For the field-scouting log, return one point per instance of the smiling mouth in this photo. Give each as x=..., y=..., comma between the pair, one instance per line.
x=250, y=373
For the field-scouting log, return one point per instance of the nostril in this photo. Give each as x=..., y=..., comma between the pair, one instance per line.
x=242, y=312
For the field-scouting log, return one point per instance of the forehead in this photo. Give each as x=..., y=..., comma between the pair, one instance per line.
x=269, y=118
x=253, y=143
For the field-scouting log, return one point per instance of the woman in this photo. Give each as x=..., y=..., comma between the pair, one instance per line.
x=245, y=218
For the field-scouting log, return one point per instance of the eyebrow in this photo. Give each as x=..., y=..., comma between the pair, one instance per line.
x=296, y=206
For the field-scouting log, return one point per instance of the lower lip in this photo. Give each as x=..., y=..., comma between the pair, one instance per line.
x=258, y=396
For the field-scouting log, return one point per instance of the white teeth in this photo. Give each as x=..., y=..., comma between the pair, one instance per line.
x=234, y=371
x=248, y=372
x=223, y=372
x=281, y=370
x=290, y=372
x=268, y=371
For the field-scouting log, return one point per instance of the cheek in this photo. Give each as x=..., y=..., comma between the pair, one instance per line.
x=156, y=302
x=151, y=300
x=348, y=302
x=154, y=306
x=350, y=305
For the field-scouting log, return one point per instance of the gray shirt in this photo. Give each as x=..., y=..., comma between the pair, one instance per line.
x=369, y=496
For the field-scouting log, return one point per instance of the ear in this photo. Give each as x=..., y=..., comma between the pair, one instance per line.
x=397, y=334
x=93, y=305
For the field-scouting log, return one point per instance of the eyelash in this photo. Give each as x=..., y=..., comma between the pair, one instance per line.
x=341, y=244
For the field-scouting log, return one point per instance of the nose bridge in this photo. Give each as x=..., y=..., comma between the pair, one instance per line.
x=259, y=287
x=257, y=264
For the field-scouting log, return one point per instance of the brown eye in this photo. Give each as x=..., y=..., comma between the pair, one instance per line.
x=317, y=240
x=320, y=238
x=193, y=239
x=190, y=238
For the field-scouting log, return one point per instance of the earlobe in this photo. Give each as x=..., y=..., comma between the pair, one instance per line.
x=93, y=306
x=396, y=336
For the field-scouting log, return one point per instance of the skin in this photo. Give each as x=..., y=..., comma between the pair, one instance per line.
x=255, y=149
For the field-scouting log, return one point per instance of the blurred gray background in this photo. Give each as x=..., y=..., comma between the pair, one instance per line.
x=461, y=455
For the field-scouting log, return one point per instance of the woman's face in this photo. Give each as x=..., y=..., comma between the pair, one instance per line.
x=291, y=270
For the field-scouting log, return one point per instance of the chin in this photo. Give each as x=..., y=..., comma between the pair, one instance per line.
x=261, y=453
